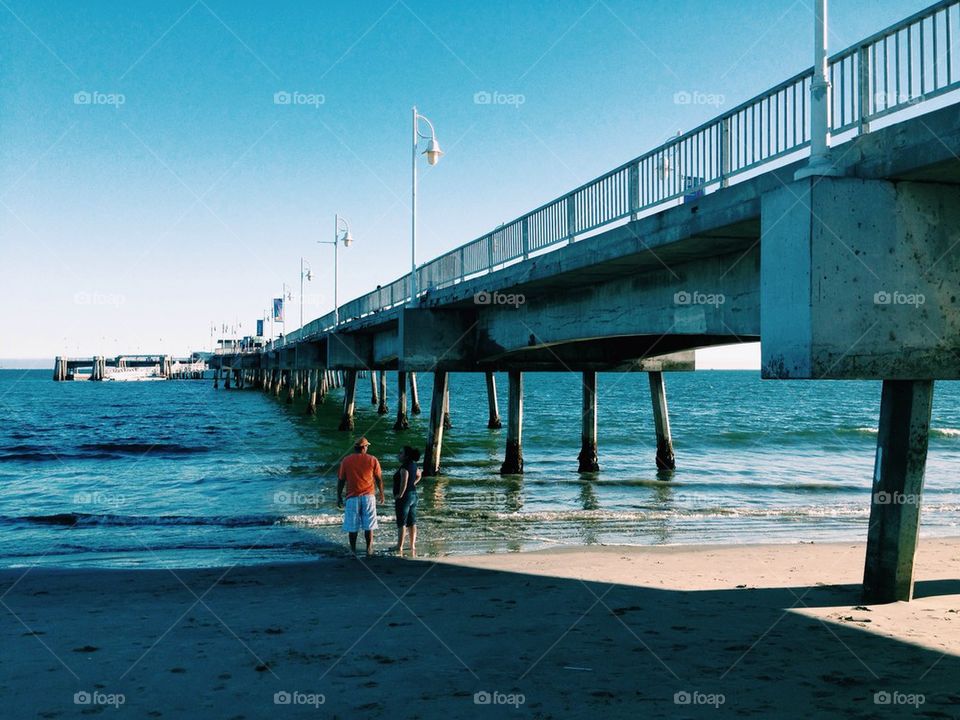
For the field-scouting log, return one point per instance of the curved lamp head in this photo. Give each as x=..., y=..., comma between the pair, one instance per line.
x=347, y=239
x=433, y=152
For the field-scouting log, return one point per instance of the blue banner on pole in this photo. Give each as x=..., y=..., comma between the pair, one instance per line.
x=278, y=309
x=260, y=327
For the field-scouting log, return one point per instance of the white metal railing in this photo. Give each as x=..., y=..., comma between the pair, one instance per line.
x=906, y=64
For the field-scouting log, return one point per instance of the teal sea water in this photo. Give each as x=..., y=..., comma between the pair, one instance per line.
x=177, y=474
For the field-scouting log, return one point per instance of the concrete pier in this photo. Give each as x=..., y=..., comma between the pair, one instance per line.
x=431, y=456
x=902, y=439
x=513, y=462
x=349, y=400
x=382, y=408
x=374, y=398
x=588, y=433
x=493, y=421
x=666, y=460
x=59, y=369
x=414, y=395
x=402, y=422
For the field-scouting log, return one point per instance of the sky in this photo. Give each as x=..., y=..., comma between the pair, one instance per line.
x=151, y=184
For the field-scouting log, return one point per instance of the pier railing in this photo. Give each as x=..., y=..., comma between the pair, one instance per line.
x=907, y=64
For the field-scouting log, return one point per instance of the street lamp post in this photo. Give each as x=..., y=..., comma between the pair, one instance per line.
x=339, y=223
x=433, y=153
x=305, y=274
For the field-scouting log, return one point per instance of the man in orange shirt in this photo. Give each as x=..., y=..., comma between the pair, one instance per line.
x=360, y=475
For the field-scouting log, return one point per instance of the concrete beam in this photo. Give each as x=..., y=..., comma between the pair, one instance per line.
x=436, y=339
x=349, y=351
x=859, y=280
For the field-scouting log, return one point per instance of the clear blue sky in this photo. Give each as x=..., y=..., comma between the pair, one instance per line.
x=134, y=226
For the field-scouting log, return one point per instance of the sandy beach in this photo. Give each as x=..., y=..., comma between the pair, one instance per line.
x=759, y=630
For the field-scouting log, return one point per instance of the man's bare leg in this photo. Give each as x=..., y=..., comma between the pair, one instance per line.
x=368, y=536
x=353, y=542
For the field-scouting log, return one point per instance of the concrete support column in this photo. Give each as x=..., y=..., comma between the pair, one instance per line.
x=446, y=409
x=431, y=457
x=382, y=407
x=513, y=462
x=374, y=398
x=902, y=438
x=349, y=400
x=414, y=396
x=59, y=367
x=661, y=420
x=323, y=382
x=226, y=379
x=588, y=433
x=493, y=422
x=216, y=378
x=291, y=385
x=312, y=391
x=402, y=423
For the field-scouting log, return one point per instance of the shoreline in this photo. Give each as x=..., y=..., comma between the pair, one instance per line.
x=575, y=631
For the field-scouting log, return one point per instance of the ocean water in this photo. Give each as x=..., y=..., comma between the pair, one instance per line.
x=177, y=474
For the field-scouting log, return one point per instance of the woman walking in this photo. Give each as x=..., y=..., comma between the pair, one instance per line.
x=405, y=497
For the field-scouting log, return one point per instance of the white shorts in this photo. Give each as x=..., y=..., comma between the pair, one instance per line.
x=360, y=513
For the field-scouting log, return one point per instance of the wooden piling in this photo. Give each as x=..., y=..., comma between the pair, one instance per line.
x=349, y=398
x=666, y=460
x=414, y=396
x=431, y=456
x=493, y=421
x=902, y=439
x=402, y=422
x=382, y=406
x=513, y=462
x=291, y=383
x=588, y=433
x=374, y=398
x=278, y=382
x=322, y=391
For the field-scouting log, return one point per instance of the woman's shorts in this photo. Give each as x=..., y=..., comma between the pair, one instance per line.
x=406, y=511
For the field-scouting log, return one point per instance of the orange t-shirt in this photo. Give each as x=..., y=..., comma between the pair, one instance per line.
x=359, y=470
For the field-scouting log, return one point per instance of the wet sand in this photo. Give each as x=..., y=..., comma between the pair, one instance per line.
x=724, y=631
